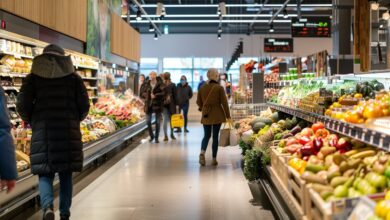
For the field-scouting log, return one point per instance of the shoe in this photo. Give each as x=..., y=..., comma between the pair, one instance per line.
x=178, y=130
x=48, y=214
x=156, y=141
x=62, y=217
x=202, y=160
x=151, y=139
x=186, y=130
x=165, y=138
x=173, y=137
x=215, y=162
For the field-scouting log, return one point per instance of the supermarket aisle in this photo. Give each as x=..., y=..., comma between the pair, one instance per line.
x=164, y=181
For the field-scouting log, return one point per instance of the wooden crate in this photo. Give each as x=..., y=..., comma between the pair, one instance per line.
x=279, y=164
x=318, y=209
x=297, y=188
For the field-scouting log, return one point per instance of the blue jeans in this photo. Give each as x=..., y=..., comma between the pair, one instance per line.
x=185, y=109
x=149, y=123
x=167, y=120
x=207, y=135
x=46, y=191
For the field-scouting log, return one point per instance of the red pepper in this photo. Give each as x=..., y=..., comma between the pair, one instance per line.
x=323, y=133
x=304, y=140
x=318, y=143
x=308, y=149
x=343, y=144
x=333, y=139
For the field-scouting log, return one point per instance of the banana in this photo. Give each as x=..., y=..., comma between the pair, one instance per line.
x=363, y=154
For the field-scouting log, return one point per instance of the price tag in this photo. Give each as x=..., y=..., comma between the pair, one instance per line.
x=17, y=56
x=363, y=210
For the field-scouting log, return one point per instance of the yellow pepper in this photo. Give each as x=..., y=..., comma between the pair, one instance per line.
x=297, y=164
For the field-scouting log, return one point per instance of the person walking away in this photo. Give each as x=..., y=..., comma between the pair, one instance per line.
x=152, y=92
x=184, y=94
x=53, y=100
x=8, y=172
x=212, y=102
x=169, y=105
x=201, y=82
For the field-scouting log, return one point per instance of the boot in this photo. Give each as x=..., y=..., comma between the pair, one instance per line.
x=173, y=136
x=202, y=159
x=63, y=217
x=215, y=162
x=48, y=214
x=165, y=138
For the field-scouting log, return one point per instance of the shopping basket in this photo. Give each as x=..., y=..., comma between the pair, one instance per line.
x=177, y=121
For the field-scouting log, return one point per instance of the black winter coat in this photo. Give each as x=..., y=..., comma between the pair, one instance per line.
x=54, y=100
x=153, y=105
x=170, y=91
x=184, y=94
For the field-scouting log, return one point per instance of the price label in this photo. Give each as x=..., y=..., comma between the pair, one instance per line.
x=17, y=56
x=363, y=210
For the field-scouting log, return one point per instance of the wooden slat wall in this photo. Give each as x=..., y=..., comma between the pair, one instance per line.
x=125, y=41
x=66, y=16
x=362, y=34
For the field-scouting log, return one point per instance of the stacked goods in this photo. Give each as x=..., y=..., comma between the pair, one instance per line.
x=7, y=46
x=124, y=110
x=95, y=127
x=10, y=64
x=271, y=93
x=272, y=77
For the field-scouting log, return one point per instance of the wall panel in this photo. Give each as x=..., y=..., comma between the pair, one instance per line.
x=66, y=16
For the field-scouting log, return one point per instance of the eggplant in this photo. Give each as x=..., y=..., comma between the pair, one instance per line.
x=296, y=130
x=287, y=135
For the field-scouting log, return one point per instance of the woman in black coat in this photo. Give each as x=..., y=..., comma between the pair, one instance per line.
x=54, y=100
x=169, y=104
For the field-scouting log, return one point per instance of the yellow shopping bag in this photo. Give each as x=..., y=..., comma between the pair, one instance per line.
x=177, y=121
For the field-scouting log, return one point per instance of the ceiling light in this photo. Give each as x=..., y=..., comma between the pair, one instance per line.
x=151, y=27
x=139, y=14
x=236, y=5
x=220, y=30
x=386, y=15
x=155, y=36
x=219, y=11
x=381, y=26
x=271, y=28
x=374, y=5
x=209, y=21
x=215, y=16
x=219, y=36
x=160, y=10
x=285, y=14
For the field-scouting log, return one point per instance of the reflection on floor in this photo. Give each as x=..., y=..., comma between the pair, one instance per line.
x=165, y=181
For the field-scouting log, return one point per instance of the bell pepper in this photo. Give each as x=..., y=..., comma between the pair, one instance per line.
x=342, y=143
x=332, y=140
x=308, y=149
x=297, y=164
x=304, y=140
x=317, y=126
x=318, y=143
x=323, y=133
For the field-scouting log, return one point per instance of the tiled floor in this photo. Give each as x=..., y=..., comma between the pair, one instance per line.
x=165, y=181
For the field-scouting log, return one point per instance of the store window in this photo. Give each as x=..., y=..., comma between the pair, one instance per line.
x=148, y=65
x=178, y=67
x=201, y=66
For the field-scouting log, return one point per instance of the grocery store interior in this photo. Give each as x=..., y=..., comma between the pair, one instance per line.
x=303, y=109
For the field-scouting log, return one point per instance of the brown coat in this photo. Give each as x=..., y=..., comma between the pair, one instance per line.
x=216, y=110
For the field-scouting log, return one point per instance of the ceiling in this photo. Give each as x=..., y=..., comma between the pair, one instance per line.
x=242, y=16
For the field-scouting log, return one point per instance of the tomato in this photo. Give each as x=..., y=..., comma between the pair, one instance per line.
x=322, y=133
x=316, y=126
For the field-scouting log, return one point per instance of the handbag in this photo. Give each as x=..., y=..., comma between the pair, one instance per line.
x=177, y=121
x=205, y=114
x=224, y=136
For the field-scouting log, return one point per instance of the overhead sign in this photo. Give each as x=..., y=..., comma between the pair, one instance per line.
x=311, y=27
x=278, y=45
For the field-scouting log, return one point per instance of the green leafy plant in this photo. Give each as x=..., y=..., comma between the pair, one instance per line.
x=244, y=147
x=253, y=164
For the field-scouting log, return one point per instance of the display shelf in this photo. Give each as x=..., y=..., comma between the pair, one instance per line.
x=93, y=97
x=369, y=136
x=85, y=67
x=11, y=106
x=16, y=55
x=11, y=88
x=27, y=183
x=92, y=88
x=90, y=78
x=14, y=75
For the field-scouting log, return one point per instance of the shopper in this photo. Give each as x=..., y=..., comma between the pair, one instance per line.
x=54, y=100
x=152, y=92
x=169, y=105
x=225, y=84
x=184, y=94
x=141, y=81
x=8, y=173
x=201, y=83
x=212, y=102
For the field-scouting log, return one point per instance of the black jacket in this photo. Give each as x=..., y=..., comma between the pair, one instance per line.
x=184, y=94
x=153, y=105
x=7, y=149
x=170, y=91
x=53, y=99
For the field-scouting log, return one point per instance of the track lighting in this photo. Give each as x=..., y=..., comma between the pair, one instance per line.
x=374, y=5
x=271, y=28
x=151, y=27
x=285, y=14
x=219, y=36
x=139, y=15
x=386, y=15
x=220, y=30
x=155, y=36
